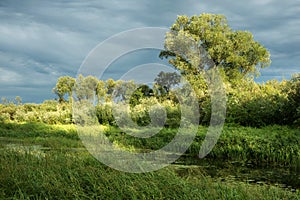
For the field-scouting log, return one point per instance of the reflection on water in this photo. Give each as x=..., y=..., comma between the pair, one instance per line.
x=280, y=176
x=223, y=170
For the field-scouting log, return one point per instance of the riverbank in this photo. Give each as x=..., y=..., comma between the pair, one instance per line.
x=41, y=161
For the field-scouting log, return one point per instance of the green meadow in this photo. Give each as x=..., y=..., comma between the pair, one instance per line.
x=257, y=155
x=40, y=161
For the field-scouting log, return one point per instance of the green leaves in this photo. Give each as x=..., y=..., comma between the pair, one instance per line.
x=86, y=87
x=64, y=85
x=234, y=51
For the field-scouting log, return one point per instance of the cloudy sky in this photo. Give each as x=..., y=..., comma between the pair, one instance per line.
x=41, y=40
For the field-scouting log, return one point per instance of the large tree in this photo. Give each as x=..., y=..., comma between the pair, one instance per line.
x=235, y=52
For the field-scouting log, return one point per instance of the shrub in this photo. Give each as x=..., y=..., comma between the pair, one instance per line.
x=104, y=114
x=4, y=117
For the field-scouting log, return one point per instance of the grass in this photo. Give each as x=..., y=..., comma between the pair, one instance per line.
x=49, y=162
x=52, y=136
x=272, y=145
x=76, y=175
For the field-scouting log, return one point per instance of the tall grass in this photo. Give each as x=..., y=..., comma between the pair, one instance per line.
x=75, y=175
x=40, y=161
x=272, y=145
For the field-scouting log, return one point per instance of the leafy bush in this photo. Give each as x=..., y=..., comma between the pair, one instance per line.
x=49, y=112
x=293, y=95
x=4, y=117
x=252, y=104
x=248, y=104
x=9, y=109
x=104, y=114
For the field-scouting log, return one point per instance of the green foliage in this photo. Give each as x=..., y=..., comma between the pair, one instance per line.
x=84, y=113
x=18, y=100
x=252, y=104
x=268, y=146
x=248, y=103
x=74, y=174
x=292, y=109
x=8, y=111
x=86, y=87
x=142, y=91
x=166, y=81
x=235, y=52
x=49, y=112
x=140, y=114
x=101, y=91
x=123, y=91
x=4, y=117
x=48, y=162
x=36, y=130
x=77, y=175
x=173, y=115
x=272, y=145
x=65, y=85
x=104, y=114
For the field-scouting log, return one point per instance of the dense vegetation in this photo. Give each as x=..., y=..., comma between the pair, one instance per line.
x=248, y=104
x=42, y=156
x=235, y=54
x=40, y=161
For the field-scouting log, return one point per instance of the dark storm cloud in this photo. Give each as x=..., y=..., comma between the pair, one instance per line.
x=42, y=40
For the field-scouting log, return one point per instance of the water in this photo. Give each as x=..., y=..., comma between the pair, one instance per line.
x=284, y=177
x=237, y=171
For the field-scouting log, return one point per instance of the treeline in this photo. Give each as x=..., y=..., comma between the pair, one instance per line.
x=248, y=103
x=235, y=54
x=49, y=112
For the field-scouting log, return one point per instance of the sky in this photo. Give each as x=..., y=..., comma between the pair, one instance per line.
x=41, y=40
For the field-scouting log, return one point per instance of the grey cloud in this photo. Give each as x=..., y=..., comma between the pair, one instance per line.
x=42, y=40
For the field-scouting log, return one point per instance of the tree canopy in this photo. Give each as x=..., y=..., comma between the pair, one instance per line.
x=64, y=86
x=235, y=52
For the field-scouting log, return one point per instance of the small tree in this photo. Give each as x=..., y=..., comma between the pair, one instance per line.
x=86, y=87
x=167, y=80
x=64, y=85
x=18, y=100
